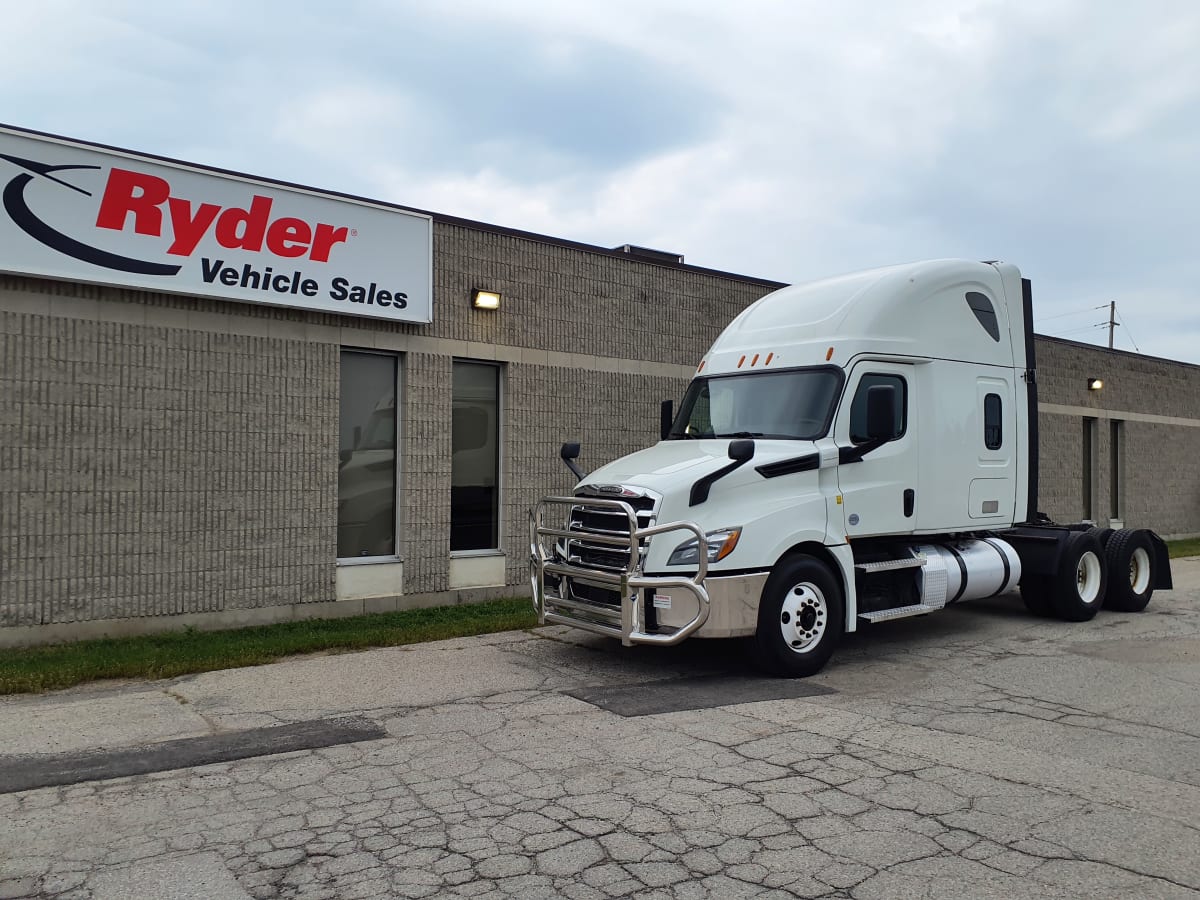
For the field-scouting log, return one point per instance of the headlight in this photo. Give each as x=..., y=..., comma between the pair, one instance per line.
x=720, y=544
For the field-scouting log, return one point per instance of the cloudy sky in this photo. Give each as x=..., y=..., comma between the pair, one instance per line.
x=787, y=140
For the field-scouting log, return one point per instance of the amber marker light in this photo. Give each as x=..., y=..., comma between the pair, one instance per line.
x=770, y=356
x=730, y=543
x=701, y=369
x=740, y=361
x=829, y=354
x=754, y=362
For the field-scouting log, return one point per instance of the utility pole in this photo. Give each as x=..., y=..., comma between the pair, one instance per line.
x=1112, y=321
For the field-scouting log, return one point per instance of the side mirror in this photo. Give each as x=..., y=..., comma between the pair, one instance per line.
x=882, y=423
x=741, y=451
x=666, y=415
x=569, y=453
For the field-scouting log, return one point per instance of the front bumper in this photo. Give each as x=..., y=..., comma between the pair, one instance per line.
x=555, y=580
x=629, y=605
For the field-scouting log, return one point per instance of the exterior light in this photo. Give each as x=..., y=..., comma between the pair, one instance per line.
x=1095, y=384
x=486, y=300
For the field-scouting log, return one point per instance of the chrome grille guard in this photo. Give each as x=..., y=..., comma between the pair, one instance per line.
x=628, y=620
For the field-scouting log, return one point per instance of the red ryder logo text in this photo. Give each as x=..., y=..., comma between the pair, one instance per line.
x=82, y=213
x=146, y=201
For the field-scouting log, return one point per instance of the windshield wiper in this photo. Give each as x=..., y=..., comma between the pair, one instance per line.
x=740, y=434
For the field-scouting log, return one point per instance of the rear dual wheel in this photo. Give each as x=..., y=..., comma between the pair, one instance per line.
x=1077, y=590
x=1130, y=560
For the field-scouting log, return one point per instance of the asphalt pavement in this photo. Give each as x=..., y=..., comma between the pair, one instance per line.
x=978, y=752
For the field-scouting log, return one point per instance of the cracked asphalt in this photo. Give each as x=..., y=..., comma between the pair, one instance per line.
x=975, y=753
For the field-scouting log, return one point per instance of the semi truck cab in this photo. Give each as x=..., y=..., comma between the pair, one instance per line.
x=851, y=450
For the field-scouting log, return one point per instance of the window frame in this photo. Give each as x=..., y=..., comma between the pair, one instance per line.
x=499, y=368
x=854, y=398
x=397, y=469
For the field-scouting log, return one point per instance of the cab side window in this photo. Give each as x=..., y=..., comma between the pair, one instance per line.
x=993, y=435
x=858, y=408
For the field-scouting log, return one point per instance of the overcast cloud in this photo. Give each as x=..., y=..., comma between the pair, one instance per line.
x=785, y=140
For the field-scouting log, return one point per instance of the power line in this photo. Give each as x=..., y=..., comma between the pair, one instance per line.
x=1072, y=313
x=1077, y=330
x=1126, y=327
x=1110, y=323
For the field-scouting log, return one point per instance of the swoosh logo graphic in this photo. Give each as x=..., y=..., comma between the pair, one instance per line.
x=25, y=219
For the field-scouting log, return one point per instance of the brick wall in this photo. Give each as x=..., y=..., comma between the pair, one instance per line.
x=147, y=471
x=1161, y=466
x=425, y=471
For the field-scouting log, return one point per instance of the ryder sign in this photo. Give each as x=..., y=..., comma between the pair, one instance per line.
x=80, y=213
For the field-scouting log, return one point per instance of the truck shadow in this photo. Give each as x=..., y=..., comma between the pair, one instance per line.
x=736, y=657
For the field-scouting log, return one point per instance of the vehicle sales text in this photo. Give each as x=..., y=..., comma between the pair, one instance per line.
x=267, y=279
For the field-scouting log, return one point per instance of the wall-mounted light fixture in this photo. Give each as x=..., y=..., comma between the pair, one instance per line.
x=1095, y=384
x=485, y=299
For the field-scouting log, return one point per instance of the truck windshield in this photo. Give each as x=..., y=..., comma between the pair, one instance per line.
x=794, y=404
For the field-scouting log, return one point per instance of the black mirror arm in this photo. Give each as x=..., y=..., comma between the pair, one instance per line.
x=741, y=452
x=858, y=451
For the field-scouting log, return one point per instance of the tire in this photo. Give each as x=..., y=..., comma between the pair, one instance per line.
x=1078, y=586
x=1036, y=591
x=1129, y=558
x=800, y=619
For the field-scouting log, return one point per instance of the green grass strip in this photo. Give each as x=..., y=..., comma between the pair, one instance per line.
x=174, y=653
x=1187, y=547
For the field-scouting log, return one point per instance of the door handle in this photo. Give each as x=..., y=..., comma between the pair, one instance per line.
x=910, y=501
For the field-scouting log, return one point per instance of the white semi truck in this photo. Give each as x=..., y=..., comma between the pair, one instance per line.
x=851, y=450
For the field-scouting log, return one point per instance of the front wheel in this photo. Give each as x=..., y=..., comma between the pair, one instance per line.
x=800, y=618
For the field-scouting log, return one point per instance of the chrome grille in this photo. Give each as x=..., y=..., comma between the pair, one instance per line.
x=606, y=520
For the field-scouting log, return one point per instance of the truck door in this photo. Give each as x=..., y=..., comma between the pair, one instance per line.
x=880, y=493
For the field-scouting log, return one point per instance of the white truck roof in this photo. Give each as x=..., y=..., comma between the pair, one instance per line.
x=937, y=310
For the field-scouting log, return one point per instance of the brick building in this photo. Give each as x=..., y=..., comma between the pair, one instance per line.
x=171, y=459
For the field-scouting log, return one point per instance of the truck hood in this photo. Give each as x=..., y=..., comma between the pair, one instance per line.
x=669, y=466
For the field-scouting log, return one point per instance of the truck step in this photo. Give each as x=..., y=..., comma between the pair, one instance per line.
x=887, y=565
x=900, y=612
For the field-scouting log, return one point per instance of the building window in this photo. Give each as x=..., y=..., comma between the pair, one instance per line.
x=367, y=456
x=1089, y=469
x=475, y=466
x=858, y=409
x=993, y=433
x=1116, y=458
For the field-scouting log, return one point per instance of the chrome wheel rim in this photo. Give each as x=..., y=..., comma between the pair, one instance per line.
x=1139, y=571
x=1087, y=578
x=803, y=618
